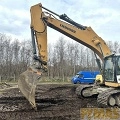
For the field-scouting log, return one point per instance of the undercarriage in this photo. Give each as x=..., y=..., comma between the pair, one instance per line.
x=106, y=96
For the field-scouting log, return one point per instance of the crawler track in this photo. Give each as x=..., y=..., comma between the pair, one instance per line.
x=79, y=90
x=103, y=97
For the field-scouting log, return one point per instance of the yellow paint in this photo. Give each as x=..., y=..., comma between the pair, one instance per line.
x=111, y=84
x=99, y=78
x=99, y=113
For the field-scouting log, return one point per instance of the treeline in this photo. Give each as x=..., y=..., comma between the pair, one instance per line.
x=65, y=58
x=15, y=57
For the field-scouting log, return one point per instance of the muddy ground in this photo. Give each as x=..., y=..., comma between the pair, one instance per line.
x=54, y=102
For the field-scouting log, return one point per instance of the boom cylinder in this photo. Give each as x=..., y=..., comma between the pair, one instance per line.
x=66, y=18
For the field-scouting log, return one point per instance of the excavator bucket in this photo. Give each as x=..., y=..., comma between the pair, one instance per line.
x=27, y=84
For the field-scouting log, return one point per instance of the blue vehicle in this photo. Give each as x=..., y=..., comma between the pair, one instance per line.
x=87, y=77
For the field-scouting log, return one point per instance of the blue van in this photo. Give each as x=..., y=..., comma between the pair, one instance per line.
x=87, y=77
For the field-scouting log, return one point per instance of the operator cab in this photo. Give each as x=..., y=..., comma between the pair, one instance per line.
x=111, y=70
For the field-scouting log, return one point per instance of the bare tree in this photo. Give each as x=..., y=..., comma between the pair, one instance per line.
x=65, y=58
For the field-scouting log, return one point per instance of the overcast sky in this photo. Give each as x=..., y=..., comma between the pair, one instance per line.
x=102, y=15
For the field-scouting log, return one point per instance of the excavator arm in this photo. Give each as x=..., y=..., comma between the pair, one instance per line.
x=62, y=23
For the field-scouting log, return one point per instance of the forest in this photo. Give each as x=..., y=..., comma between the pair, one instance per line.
x=65, y=58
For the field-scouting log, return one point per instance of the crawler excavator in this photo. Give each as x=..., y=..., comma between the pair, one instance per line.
x=107, y=86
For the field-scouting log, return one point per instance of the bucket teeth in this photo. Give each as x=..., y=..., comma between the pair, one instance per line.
x=27, y=84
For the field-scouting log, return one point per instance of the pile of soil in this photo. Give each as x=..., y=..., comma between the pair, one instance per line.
x=54, y=102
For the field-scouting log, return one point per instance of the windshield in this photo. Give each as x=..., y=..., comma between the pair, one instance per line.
x=118, y=66
x=79, y=75
x=109, y=69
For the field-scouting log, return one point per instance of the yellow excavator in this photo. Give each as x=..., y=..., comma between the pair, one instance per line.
x=107, y=85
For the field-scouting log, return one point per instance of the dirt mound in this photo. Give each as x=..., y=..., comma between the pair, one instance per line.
x=54, y=102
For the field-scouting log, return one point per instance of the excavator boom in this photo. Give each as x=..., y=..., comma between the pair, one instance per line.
x=82, y=34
